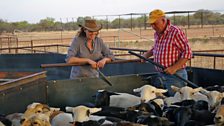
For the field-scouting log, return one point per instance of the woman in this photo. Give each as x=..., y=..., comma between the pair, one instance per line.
x=87, y=48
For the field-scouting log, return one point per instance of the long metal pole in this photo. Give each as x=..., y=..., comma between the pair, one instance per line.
x=162, y=67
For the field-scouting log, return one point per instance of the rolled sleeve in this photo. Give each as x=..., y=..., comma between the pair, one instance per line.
x=184, y=47
x=72, y=50
x=106, y=51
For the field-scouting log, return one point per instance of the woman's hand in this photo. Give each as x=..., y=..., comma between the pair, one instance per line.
x=92, y=63
x=101, y=63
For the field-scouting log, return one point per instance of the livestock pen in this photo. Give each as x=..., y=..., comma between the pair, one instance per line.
x=53, y=86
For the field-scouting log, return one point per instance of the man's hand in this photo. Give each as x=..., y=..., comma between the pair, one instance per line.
x=170, y=70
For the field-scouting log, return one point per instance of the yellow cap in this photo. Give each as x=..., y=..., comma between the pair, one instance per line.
x=154, y=15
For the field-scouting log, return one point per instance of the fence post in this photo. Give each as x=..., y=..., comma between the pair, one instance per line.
x=145, y=21
x=188, y=19
x=57, y=49
x=17, y=44
x=31, y=43
x=107, y=23
x=201, y=19
x=214, y=62
x=131, y=22
x=1, y=45
x=114, y=41
x=9, y=44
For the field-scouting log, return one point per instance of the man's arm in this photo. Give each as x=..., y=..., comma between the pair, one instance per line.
x=178, y=65
x=148, y=54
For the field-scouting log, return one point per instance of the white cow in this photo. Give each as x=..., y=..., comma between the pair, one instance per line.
x=81, y=113
x=37, y=119
x=57, y=118
x=15, y=118
x=219, y=117
x=214, y=97
x=149, y=92
x=185, y=93
x=125, y=100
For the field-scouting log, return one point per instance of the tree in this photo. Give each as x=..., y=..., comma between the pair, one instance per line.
x=23, y=25
x=47, y=24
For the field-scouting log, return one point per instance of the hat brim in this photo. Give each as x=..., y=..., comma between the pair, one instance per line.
x=99, y=27
x=151, y=21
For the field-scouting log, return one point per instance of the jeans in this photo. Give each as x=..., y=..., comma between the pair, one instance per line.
x=162, y=80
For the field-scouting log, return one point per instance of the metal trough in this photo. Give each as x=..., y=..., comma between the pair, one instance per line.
x=16, y=95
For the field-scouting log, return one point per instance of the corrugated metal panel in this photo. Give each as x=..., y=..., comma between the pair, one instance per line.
x=16, y=95
x=63, y=93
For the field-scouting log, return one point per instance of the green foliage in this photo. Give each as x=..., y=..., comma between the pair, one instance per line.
x=47, y=24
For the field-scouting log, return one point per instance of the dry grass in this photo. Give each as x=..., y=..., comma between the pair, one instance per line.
x=207, y=38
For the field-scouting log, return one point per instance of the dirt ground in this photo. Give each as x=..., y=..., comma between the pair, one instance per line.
x=206, y=38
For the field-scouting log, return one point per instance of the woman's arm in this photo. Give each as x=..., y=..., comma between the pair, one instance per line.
x=81, y=61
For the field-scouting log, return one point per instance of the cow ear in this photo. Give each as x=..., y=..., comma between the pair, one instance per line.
x=112, y=93
x=22, y=120
x=222, y=95
x=175, y=89
x=161, y=90
x=137, y=90
x=204, y=91
x=222, y=101
x=197, y=89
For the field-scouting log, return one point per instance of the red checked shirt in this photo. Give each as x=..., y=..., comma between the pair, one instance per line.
x=171, y=46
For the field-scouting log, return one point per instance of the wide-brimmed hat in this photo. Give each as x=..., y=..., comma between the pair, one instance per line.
x=154, y=15
x=91, y=25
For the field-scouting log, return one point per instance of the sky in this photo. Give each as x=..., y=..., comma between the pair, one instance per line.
x=35, y=10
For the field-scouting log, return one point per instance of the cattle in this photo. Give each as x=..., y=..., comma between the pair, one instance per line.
x=123, y=100
x=117, y=114
x=184, y=114
x=15, y=118
x=150, y=107
x=82, y=113
x=219, y=117
x=185, y=93
x=57, y=118
x=215, y=88
x=1, y=124
x=90, y=123
x=149, y=92
x=38, y=119
x=214, y=98
x=5, y=121
x=152, y=120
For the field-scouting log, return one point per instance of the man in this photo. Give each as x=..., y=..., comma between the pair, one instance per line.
x=170, y=49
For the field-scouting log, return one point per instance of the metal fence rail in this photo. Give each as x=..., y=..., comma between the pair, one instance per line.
x=204, y=59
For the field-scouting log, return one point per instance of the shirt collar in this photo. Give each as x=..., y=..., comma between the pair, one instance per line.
x=166, y=29
x=167, y=26
x=93, y=44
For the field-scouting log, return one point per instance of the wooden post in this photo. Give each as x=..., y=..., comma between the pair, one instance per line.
x=31, y=43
